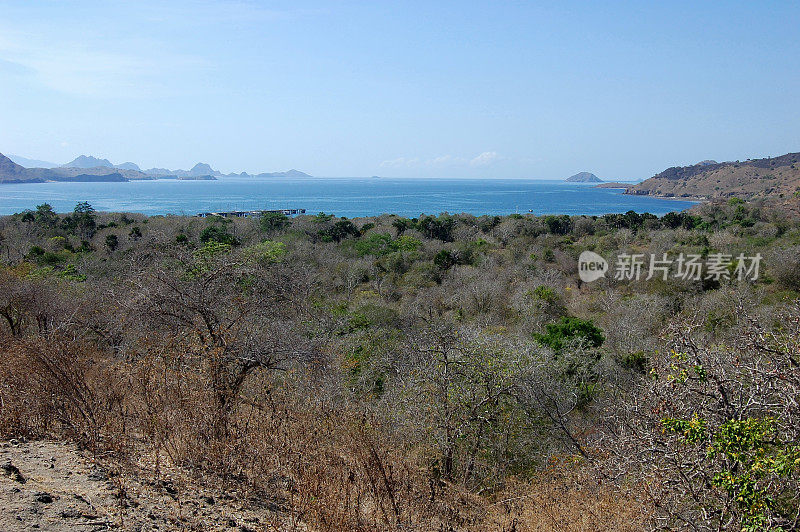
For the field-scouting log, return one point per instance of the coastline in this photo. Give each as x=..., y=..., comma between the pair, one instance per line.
x=627, y=187
x=696, y=199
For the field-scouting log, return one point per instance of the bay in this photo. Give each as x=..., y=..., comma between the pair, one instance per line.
x=351, y=197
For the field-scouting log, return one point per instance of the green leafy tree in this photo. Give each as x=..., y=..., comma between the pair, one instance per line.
x=440, y=228
x=267, y=252
x=558, y=225
x=322, y=218
x=444, y=260
x=273, y=221
x=570, y=329
x=218, y=233
x=339, y=231
x=45, y=215
x=401, y=225
x=83, y=220
x=112, y=242
x=380, y=244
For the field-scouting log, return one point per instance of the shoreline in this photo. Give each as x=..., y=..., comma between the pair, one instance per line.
x=696, y=199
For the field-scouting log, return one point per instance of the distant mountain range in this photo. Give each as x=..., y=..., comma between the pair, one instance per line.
x=31, y=163
x=772, y=177
x=584, y=177
x=16, y=169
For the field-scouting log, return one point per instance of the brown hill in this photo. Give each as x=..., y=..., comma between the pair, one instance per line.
x=11, y=172
x=771, y=178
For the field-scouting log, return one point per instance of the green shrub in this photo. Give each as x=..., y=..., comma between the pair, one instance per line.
x=267, y=252
x=744, y=456
x=546, y=294
x=272, y=221
x=217, y=233
x=568, y=329
x=112, y=242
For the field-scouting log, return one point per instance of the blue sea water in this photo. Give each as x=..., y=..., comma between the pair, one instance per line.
x=349, y=197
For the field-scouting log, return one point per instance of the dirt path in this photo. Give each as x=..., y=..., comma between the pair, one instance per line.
x=51, y=486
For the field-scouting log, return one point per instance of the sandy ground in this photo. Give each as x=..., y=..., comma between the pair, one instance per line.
x=52, y=486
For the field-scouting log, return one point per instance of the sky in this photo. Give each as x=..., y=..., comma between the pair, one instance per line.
x=497, y=89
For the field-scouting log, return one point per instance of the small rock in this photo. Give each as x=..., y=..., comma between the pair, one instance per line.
x=44, y=497
x=12, y=471
x=169, y=487
x=98, y=475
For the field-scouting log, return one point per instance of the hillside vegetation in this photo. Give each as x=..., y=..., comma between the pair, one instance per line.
x=444, y=372
x=777, y=178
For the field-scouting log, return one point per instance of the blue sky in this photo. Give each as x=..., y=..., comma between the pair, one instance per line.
x=418, y=89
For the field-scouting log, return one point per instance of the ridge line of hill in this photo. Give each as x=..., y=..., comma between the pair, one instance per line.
x=88, y=168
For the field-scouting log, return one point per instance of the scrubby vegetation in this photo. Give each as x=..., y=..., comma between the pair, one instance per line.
x=445, y=372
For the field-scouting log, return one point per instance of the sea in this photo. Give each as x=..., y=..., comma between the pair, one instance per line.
x=342, y=196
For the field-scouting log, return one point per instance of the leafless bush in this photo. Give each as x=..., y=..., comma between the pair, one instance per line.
x=714, y=428
x=61, y=384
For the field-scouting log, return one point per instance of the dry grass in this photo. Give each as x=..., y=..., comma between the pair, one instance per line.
x=569, y=498
x=316, y=465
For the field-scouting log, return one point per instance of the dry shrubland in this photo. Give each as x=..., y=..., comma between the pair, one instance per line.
x=446, y=373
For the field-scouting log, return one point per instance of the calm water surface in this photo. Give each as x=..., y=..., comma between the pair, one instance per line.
x=349, y=197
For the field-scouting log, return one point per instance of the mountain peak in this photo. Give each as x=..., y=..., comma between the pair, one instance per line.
x=584, y=177
x=88, y=161
x=128, y=166
x=201, y=169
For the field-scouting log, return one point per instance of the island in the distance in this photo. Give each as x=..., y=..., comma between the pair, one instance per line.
x=584, y=177
x=88, y=168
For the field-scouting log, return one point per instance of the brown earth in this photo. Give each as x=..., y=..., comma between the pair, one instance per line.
x=775, y=178
x=52, y=486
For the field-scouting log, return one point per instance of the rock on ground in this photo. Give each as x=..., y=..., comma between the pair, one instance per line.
x=51, y=486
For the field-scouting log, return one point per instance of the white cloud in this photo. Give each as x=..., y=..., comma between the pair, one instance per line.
x=484, y=159
x=443, y=161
